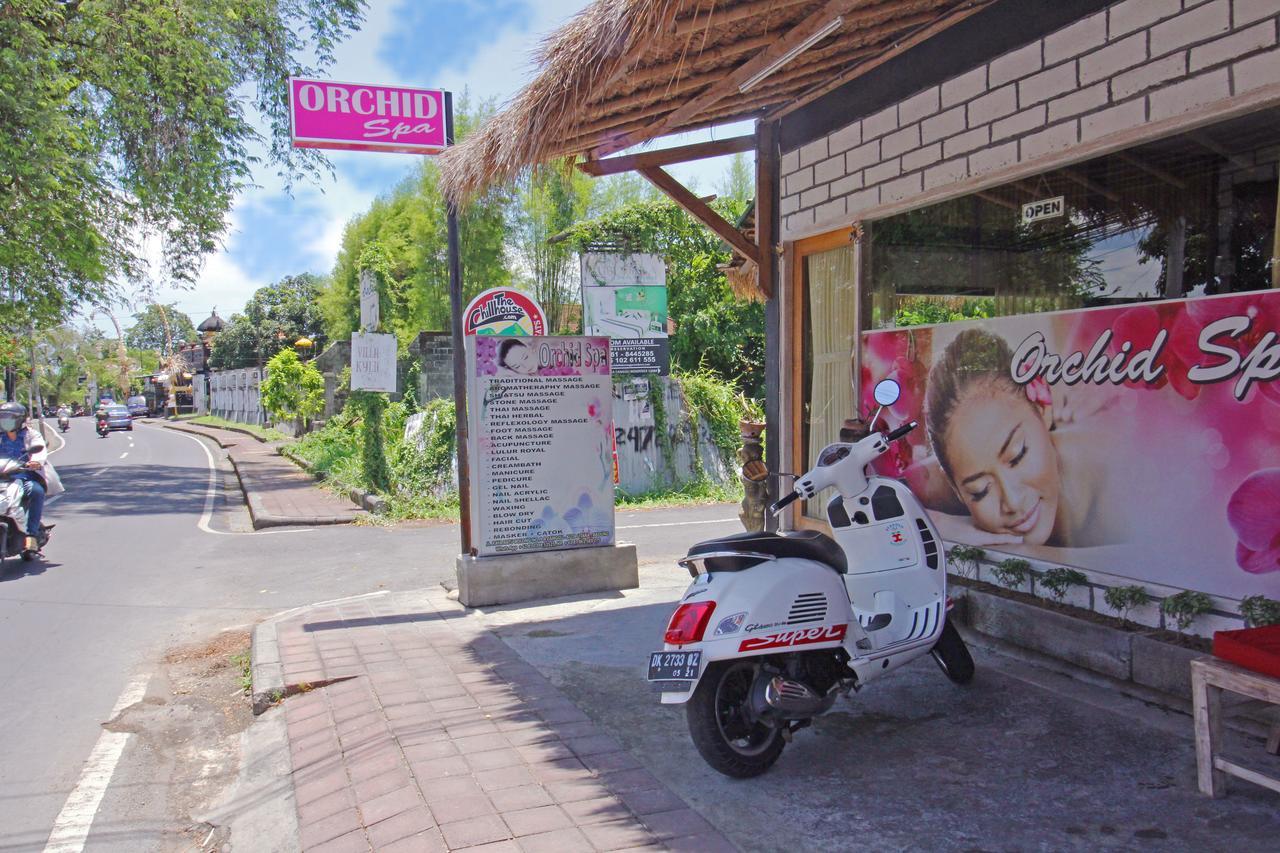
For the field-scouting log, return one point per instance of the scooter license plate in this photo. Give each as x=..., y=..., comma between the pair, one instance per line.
x=674, y=666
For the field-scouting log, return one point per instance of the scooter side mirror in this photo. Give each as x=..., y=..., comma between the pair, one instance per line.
x=887, y=392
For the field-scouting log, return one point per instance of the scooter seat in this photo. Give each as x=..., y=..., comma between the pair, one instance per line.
x=801, y=544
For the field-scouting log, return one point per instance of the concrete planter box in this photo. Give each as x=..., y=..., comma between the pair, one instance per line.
x=1164, y=666
x=1086, y=644
x=1124, y=655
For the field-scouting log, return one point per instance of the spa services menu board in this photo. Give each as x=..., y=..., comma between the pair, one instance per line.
x=541, y=422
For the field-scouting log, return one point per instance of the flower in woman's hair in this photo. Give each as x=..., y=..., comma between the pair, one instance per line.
x=1038, y=392
x=1254, y=514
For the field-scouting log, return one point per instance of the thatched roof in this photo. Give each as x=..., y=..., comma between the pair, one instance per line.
x=624, y=72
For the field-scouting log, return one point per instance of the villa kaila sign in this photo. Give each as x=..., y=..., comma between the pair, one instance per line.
x=365, y=117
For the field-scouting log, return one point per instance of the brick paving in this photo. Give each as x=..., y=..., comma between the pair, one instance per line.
x=277, y=492
x=429, y=733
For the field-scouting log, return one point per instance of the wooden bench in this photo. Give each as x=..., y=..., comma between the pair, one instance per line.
x=1209, y=677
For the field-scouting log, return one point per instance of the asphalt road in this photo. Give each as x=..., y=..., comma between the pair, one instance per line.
x=131, y=572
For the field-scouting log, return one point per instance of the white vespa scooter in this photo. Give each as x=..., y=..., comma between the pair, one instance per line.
x=775, y=627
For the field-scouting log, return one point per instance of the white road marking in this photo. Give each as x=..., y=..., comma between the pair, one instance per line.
x=71, y=829
x=99, y=471
x=211, y=493
x=675, y=523
x=53, y=434
x=123, y=455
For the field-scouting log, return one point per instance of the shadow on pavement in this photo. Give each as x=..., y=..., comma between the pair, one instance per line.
x=914, y=762
x=145, y=489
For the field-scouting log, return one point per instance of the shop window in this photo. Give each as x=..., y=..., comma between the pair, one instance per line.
x=1186, y=216
x=1190, y=215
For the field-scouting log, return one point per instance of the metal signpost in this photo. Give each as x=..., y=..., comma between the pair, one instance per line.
x=357, y=117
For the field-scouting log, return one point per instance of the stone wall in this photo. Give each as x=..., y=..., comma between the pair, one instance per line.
x=435, y=353
x=1135, y=70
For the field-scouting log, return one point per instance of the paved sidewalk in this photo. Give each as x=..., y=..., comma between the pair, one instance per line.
x=429, y=734
x=277, y=492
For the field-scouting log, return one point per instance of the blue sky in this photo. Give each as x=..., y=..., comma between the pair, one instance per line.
x=484, y=46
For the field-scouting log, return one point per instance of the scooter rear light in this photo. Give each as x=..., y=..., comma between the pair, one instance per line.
x=689, y=622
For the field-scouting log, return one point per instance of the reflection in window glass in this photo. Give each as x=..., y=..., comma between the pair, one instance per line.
x=1185, y=216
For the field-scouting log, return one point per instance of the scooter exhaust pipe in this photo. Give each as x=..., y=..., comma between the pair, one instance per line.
x=778, y=697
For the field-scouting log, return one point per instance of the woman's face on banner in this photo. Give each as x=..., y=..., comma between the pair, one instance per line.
x=520, y=359
x=1004, y=464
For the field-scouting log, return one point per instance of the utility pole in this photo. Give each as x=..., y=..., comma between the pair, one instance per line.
x=36, y=403
x=462, y=434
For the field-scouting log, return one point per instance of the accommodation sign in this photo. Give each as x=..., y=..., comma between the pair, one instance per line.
x=624, y=296
x=542, y=425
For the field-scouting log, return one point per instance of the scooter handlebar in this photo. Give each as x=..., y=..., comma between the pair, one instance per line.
x=783, y=502
x=901, y=431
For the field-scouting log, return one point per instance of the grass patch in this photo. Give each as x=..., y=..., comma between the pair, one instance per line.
x=264, y=433
x=697, y=492
x=244, y=663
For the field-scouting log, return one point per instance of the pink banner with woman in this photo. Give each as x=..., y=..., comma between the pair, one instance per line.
x=1140, y=440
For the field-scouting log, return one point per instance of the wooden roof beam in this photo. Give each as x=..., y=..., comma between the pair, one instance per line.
x=701, y=211
x=667, y=156
x=1154, y=171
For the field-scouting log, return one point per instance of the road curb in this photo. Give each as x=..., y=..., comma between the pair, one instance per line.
x=265, y=667
x=197, y=430
x=261, y=518
x=266, y=670
x=367, y=501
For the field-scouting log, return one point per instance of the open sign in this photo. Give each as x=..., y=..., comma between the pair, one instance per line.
x=1034, y=211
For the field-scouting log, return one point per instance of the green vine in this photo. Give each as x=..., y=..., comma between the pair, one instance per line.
x=373, y=456
x=661, y=426
x=720, y=404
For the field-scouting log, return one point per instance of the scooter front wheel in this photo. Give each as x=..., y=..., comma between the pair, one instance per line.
x=719, y=722
x=953, y=656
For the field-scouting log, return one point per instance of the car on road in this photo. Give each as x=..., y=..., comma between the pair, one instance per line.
x=118, y=417
x=138, y=406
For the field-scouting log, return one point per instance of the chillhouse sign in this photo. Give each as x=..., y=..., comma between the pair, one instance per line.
x=360, y=117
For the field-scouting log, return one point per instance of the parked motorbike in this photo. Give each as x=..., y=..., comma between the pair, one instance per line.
x=13, y=514
x=775, y=627
x=102, y=427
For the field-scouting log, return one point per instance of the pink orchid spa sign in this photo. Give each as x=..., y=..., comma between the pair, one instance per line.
x=1140, y=440
x=361, y=117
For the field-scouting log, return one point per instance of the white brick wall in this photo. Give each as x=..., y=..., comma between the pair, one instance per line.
x=1113, y=72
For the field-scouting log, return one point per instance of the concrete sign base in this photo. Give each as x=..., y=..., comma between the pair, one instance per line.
x=545, y=574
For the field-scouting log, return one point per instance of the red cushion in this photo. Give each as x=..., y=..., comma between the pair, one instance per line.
x=1257, y=649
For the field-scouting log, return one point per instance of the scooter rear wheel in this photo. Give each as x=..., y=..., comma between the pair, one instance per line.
x=719, y=725
x=953, y=656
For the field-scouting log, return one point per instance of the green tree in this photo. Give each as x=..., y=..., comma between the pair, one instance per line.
x=738, y=186
x=547, y=201
x=274, y=317
x=293, y=390
x=715, y=330
x=130, y=117
x=402, y=239
x=148, y=329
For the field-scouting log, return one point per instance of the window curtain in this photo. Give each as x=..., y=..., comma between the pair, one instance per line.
x=833, y=293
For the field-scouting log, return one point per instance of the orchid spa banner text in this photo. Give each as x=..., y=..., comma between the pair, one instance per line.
x=542, y=426
x=1141, y=441
x=365, y=117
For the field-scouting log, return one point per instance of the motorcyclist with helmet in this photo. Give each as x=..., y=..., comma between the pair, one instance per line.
x=17, y=441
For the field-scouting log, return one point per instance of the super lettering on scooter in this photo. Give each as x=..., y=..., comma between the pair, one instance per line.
x=801, y=637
